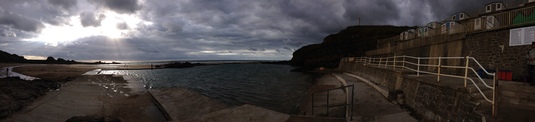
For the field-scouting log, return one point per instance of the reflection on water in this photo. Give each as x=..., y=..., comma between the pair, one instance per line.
x=8, y=72
x=265, y=85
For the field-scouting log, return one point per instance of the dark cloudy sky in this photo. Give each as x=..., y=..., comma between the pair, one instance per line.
x=197, y=29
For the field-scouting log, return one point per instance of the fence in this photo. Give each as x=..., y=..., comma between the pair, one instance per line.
x=436, y=67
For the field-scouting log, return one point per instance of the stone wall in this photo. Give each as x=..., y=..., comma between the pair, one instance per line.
x=431, y=102
x=387, y=77
x=436, y=103
x=485, y=47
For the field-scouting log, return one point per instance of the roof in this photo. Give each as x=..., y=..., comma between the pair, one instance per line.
x=495, y=2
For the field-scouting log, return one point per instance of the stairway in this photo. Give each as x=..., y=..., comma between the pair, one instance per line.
x=477, y=97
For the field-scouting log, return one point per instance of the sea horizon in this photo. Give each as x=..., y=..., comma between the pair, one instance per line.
x=177, y=60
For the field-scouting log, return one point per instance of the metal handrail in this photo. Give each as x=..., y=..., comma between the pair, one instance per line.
x=439, y=65
x=327, y=105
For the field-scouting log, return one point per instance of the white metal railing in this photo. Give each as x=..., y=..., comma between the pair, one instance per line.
x=415, y=63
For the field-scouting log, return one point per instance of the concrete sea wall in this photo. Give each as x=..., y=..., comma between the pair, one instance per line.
x=430, y=102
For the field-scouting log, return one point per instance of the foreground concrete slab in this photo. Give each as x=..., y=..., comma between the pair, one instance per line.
x=100, y=95
x=185, y=105
x=371, y=105
x=245, y=113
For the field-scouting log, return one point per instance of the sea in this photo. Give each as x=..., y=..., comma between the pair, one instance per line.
x=270, y=86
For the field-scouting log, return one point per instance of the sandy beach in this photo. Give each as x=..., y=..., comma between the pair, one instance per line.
x=65, y=72
x=60, y=82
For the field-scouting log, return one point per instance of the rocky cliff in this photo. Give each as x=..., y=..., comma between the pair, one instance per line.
x=352, y=41
x=7, y=57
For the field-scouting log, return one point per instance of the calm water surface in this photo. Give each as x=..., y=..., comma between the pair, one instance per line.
x=266, y=85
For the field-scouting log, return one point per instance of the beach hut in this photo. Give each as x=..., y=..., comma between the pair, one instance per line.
x=459, y=16
x=407, y=35
x=431, y=29
x=491, y=22
x=444, y=28
x=427, y=32
x=411, y=34
x=449, y=27
x=477, y=24
x=494, y=6
x=420, y=32
x=402, y=36
x=433, y=25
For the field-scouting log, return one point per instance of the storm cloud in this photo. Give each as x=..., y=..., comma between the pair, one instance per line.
x=18, y=21
x=121, y=6
x=65, y=4
x=202, y=29
x=90, y=19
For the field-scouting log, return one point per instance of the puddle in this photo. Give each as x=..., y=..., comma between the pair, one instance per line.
x=10, y=73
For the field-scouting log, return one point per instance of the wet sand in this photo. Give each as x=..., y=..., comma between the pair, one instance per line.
x=99, y=95
x=66, y=72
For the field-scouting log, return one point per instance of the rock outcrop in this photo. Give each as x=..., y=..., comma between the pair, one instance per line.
x=352, y=41
x=7, y=57
x=16, y=93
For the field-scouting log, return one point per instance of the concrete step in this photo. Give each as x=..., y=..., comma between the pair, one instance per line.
x=483, y=103
x=516, y=87
x=525, y=103
x=473, y=89
x=300, y=118
x=517, y=94
x=478, y=96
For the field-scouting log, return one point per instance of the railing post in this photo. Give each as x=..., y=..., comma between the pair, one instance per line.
x=380, y=60
x=403, y=64
x=466, y=71
x=418, y=69
x=494, y=108
x=439, y=65
x=386, y=62
x=394, y=65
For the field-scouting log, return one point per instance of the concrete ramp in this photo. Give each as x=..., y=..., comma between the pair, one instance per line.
x=245, y=113
x=185, y=105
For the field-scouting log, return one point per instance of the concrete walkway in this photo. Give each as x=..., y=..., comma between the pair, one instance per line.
x=101, y=95
x=371, y=105
x=184, y=105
